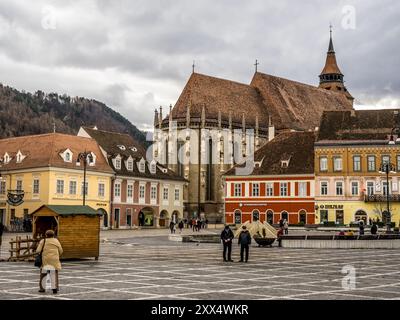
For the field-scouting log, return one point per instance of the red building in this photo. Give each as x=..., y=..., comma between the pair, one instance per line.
x=281, y=185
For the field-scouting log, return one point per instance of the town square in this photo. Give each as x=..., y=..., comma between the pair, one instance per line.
x=221, y=150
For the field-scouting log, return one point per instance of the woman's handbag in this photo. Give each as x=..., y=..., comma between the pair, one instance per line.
x=38, y=258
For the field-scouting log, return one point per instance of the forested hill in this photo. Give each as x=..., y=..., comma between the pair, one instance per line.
x=25, y=114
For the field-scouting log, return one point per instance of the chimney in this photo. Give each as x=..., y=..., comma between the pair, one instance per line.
x=271, y=130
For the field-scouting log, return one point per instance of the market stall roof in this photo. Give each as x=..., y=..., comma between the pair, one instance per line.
x=64, y=210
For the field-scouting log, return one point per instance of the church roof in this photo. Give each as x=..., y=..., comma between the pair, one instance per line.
x=296, y=105
x=294, y=148
x=216, y=95
x=370, y=126
x=291, y=104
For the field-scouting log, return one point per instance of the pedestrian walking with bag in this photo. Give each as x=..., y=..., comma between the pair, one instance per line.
x=49, y=250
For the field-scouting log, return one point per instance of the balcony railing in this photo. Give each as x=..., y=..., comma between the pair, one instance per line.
x=381, y=198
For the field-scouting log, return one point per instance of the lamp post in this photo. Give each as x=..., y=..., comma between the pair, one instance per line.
x=387, y=168
x=86, y=157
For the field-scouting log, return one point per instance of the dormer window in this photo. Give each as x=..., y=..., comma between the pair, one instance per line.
x=6, y=158
x=122, y=147
x=284, y=163
x=67, y=155
x=93, y=160
x=129, y=164
x=153, y=167
x=118, y=164
x=134, y=149
x=20, y=157
x=142, y=165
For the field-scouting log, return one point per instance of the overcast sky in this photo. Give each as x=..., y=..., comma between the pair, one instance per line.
x=136, y=55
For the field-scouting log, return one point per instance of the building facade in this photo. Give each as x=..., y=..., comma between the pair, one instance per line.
x=45, y=170
x=349, y=153
x=281, y=185
x=200, y=128
x=144, y=193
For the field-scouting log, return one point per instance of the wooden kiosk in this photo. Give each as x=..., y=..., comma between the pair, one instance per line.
x=76, y=227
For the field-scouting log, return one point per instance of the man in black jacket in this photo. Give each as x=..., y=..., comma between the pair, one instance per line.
x=226, y=238
x=244, y=241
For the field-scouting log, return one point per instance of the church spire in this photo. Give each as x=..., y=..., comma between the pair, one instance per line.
x=331, y=78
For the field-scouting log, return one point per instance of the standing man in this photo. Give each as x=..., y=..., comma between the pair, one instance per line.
x=361, y=226
x=226, y=238
x=244, y=242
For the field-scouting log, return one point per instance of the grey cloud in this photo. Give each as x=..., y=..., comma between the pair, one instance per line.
x=155, y=42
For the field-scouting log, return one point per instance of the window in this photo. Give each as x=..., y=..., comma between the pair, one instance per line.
x=323, y=164
x=118, y=163
x=141, y=191
x=284, y=189
x=385, y=188
x=256, y=215
x=371, y=163
x=85, y=188
x=19, y=185
x=2, y=187
x=130, y=165
x=356, y=163
x=324, y=216
x=237, y=190
x=117, y=190
x=270, y=217
x=256, y=189
x=60, y=186
x=270, y=190
x=354, y=188
x=35, y=186
x=339, y=188
x=398, y=163
x=153, y=193
x=385, y=159
x=339, y=216
x=72, y=187
x=165, y=194
x=129, y=191
x=68, y=157
x=370, y=188
x=177, y=194
x=302, y=189
x=101, y=190
x=337, y=164
x=324, y=188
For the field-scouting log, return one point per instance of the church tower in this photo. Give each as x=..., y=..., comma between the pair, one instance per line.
x=331, y=78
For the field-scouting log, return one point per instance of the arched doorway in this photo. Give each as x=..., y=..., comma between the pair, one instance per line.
x=303, y=216
x=270, y=216
x=285, y=216
x=238, y=217
x=163, y=218
x=104, y=217
x=256, y=215
x=361, y=215
x=146, y=217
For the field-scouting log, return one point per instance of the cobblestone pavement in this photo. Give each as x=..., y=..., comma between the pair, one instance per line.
x=140, y=267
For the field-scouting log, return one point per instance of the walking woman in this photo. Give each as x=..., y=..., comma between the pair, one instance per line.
x=51, y=253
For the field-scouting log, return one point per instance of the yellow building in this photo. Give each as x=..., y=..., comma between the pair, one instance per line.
x=351, y=150
x=45, y=170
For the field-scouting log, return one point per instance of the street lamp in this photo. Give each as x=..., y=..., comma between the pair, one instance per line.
x=387, y=168
x=86, y=157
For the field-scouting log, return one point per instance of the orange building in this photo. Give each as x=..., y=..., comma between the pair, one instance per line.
x=281, y=185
